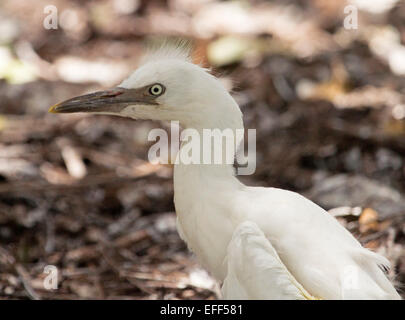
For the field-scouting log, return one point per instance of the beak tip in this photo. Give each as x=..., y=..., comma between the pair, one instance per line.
x=53, y=109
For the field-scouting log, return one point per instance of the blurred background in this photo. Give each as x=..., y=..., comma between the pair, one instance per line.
x=322, y=82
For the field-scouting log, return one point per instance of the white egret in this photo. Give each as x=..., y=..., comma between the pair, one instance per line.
x=263, y=243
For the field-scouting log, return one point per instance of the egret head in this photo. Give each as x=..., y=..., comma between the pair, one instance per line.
x=168, y=86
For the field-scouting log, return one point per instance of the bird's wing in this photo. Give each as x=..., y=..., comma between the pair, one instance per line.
x=255, y=271
x=317, y=250
x=372, y=276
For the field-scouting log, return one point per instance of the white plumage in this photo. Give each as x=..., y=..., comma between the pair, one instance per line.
x=263, y=243
x=255, y=271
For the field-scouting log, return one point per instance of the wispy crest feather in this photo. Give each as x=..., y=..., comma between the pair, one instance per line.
x=176, y=49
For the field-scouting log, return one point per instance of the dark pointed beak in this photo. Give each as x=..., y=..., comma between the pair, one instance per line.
x=108, y=101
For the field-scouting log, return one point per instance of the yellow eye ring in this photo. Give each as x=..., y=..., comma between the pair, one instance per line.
x=156, y=90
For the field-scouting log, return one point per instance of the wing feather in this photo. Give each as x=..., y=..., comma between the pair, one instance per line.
x=255, y=270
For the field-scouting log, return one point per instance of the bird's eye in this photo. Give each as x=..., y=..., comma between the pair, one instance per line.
x=156, y=89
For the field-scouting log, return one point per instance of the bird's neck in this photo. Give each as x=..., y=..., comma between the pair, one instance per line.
x=223, y=118
x=203, y=194
x=212, y=165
